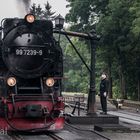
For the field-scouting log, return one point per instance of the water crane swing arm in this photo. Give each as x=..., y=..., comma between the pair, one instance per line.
x=88, y=36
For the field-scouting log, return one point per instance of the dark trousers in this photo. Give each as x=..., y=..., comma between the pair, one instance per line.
x=103, y=103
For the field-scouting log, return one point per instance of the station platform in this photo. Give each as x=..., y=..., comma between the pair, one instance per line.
x=94, y=119
x=99, y=121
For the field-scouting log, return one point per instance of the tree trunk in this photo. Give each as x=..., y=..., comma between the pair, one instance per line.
x=124, y=87
x=122, y=84
x=109, y=78
x=122, y=63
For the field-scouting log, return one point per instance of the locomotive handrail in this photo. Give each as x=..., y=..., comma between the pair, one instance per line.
x=30, y=88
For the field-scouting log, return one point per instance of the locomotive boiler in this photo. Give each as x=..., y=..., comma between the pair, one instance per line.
x=31, y=71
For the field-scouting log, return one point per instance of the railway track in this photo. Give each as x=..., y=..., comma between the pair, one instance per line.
x=127, y=117
x=30, y=136
x=72, y=133
x=96, y=135
x=14, y=136
x=55, y=137
x=129, y=113
x=69, y=133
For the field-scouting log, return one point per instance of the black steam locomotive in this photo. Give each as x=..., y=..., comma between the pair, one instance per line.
x=31, y=71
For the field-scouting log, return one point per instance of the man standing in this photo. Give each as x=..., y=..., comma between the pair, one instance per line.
x=103, y=93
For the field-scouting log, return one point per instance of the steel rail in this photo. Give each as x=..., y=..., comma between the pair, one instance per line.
x=129, y=113
x=119, y=114
x=54, y=136
x=93, y=131
x=14, y=136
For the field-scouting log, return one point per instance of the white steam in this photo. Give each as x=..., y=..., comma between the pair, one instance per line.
x=23, y=7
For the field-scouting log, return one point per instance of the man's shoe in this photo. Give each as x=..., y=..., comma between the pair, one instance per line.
x=104, y=113
x=101, y=112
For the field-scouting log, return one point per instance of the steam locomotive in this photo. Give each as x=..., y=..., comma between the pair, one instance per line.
x=31, y=71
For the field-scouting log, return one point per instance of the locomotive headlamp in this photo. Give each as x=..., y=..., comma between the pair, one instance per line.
x=50, y=82
x=30, y=18
x=11, y=81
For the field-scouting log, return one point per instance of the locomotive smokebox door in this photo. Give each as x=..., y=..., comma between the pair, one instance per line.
x=28, y=50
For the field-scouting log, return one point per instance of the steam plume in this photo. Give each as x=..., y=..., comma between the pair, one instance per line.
x=23, y=6
x=27, y=5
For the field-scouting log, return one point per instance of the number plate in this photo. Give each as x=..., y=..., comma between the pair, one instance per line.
x=28, y=52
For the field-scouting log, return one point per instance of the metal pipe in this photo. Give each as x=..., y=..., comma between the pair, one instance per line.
x=76, y=34
x=92, y=90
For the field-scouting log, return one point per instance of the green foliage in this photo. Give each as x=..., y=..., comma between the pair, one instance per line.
x=37, y=11
x=77, y=76
x=40, y=13
x=48, y=14
x=118, y=52
x=135, y=11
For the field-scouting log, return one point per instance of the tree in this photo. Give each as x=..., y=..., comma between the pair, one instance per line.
x=75, y=71
x=120, y=38
x=40, y=13
x=135, y=29
x=48, y=14
x=37, y=11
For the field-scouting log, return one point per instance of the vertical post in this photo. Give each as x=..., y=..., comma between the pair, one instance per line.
x=79, y=106
x=139, y=87
x=92, y=91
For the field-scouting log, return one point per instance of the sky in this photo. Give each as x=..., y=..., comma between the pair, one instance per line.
x=15, y=8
